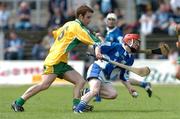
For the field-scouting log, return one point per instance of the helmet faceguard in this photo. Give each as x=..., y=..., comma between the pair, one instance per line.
x=132, y=41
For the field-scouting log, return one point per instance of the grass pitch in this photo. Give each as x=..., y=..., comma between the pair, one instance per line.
x=56, y=103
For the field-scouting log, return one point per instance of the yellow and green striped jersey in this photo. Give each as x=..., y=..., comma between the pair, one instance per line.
x=66, y=38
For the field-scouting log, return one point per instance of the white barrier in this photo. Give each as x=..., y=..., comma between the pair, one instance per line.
x=27, y=72
x=162, y=71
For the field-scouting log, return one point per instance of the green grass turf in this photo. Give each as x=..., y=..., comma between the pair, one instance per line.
x=56, y=103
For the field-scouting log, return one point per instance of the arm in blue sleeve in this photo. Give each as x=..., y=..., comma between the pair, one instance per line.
x=108, y=46
x=124, y=75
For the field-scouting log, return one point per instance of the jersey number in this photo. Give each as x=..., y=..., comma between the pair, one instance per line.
x=61, y=35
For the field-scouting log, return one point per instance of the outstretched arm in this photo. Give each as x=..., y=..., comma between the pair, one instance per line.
x=131, y=90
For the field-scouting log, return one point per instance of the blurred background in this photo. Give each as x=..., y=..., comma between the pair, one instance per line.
x=26, y=25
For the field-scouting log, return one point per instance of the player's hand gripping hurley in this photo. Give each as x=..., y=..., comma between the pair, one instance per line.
x=162, y=50
x=143, y=71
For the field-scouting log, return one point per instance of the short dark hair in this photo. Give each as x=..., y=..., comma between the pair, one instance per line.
x=83, y=9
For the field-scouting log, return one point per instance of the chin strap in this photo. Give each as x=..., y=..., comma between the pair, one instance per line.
x=133, y=50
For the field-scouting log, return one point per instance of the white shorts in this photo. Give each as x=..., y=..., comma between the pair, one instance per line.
x=95, y=71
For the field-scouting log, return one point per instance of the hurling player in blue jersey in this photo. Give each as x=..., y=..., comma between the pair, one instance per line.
x=114, y=34
x=99, y=73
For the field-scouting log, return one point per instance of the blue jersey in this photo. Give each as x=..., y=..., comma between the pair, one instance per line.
x=114, y=35
x=115, y=52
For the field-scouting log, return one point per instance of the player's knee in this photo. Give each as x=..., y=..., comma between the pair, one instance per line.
x=94, y=92
x=44, y=86
x=80, y=83
x=113, y=95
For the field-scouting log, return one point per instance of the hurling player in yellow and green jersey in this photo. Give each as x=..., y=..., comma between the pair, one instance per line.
x=66, y=38
x=55, y=65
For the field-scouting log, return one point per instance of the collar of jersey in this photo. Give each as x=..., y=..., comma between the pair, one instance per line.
x=77, y=20
x=111, y=30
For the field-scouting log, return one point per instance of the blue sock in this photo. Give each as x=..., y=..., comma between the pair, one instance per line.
x=143, y=84
x=97, y=98
x=81, y=106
